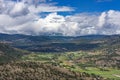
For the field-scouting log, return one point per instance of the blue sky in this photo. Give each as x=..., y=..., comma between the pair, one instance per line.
x=90, y=5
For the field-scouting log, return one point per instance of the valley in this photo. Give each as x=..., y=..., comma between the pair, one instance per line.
x=87, y=57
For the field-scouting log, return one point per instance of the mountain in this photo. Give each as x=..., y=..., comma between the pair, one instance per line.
x=56, y=43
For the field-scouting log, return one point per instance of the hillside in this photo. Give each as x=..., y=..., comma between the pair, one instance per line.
x=38, y=71
x=8, y=53
x=12, y=68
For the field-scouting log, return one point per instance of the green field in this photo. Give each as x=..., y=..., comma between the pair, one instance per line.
x=75, y=61
x=113, y=74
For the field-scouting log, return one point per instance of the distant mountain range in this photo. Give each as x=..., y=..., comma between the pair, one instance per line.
x=59, y=43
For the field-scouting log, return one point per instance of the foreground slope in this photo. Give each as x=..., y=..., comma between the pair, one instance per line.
x=39, y=71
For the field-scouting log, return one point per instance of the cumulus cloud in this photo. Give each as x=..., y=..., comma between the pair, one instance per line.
x=24, y=18
x=19, y=9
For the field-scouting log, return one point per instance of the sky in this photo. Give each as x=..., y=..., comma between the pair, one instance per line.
x=60, y=17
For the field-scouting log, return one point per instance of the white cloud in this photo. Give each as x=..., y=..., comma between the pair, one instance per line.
x=19, y=9
x=49, y=8
x=23, y=7
x=102, y=19
x=22, y=18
